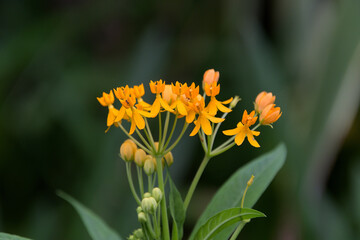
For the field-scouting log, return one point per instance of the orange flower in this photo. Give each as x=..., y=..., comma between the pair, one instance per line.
x=107, y=100
x=242, y=130
x=210, y=76
x=168, y=95
x=157, y=88
x=270, y=114
x=214, y=105
x=262, y=100
x=204, y=118
x=179, y=104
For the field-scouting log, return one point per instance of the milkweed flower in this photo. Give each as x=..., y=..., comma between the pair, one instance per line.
x=214, y=105
x=168, y=95
x=107, y=100
x=242, y=130
x=263, y=100
x=270, y=114
x=179, y=90
x=157, y=88
x=204, y=117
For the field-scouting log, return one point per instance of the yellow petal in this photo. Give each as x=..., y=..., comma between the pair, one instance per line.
x=227, y=101
x=120, y=114
x=165, y=105
x=215, y=119
x=110, y=119
x=181, y=107
x=101, y=101
x=196, y=128
x=252, y=140
x=190, y=117
x=222, y=108
x=155, y=108
x=255, y=133
x=231, y=132
x=239, y=139
x=132, y=127
x=139, y=121
x=205, y=125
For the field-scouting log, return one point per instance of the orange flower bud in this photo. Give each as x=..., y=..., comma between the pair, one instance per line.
x=139, y=91
x=169, y=159
x=263, y=100
x=270, y=114
x=168, y=94
x=127, y=150
x=157, y=87
x=139, y=157
x=211, y=76
x=149, y=165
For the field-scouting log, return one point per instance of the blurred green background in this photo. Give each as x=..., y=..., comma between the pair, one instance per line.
x=57, y=56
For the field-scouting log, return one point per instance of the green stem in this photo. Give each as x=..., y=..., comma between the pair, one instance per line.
x=172, y=132
x=160, y=130
x=178, y=139
x=164, y=216
x=227, y=142
x=165, y=131
x=220, y=151
x=131, y=183
x=149, y=135
x=237, y=230
x=140, y=179
x=216, y=130
x=132, y=138
x=142, y=138
x=196, y=180
x=150, y=184
x=149, y=227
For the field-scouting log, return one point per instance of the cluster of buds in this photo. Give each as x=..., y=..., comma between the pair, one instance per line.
x=149, y=204
x=130, y=152
x=138, y=234
x=265, y=107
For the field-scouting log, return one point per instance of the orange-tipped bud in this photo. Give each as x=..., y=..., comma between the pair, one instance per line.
x=107, y=99
x=139, y=91
x=270, y=114
x=127, y=150
x=139, y=157
x=168, y=94
x=169, y=158
x=263, y=100
x=211, y=76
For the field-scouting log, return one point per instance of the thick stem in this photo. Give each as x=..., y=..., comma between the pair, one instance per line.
x=195, y=181
x=164, y=216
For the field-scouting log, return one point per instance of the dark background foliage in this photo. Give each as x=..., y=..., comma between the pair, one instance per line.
x=57, y=56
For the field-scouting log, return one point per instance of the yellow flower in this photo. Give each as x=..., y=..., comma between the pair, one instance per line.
x=262, y=100
x=214, y=105
x=210, y=76
x=168, y=95
x=270, y=114
x=179, y=90
x=242, y=130
x=157, y=88
x=107, y=100
x=204, y=118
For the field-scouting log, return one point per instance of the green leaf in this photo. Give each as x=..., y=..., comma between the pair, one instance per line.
x=224, y=219
x=6, y=236
x=96, y=227
x=177, y=210
x=264, y=168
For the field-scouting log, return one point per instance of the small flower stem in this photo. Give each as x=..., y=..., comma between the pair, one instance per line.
x=220, y=151
x=165, y=131
x=237, y=230
x=146, y=233
x=254, y=128
x=131, y=183
x=140, y=179
x=216, y=130
x=178, y=139
x=150, y=184
x=196, y=180
x=172, y=132
x=149, y=227
x=224, y=144
x=132, y=138
x=149, y=135
x=160, y=130
x=158, y=230
x=142, y=138
x=164, y=216
x=202, y=140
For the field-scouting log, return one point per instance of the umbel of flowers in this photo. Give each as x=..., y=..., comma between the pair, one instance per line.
x=175, y=104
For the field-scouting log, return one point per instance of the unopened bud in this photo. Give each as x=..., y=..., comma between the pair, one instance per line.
x=146, y=195
x=169, y=159
x=251, y=180
x=234, y=102
x=139, y=209
x=157, y=194
x=156, y=144
x=149, y=165
x=139, y=157
x=138, y=233
x=141, y=217
x=127, y=150
x=149, y=205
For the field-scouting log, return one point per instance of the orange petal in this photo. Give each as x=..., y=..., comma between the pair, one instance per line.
x=139, y=121
x=190, y=116
x=196, y=129
x=239, y=139
x=252, y=140
x=221, y=107
x=205, y=125
x=231, y=132
x=181, y=107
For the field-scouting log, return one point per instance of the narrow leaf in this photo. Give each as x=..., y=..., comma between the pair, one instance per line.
x=6, y=236
x=264, y=168
x=96, y=227
x=177, y=210
x=224, y=219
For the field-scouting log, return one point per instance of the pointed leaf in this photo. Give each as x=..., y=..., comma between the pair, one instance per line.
x=224, y=219
x=6, y=236
x=177, y=210
x=264, y=168
x=96, y=227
